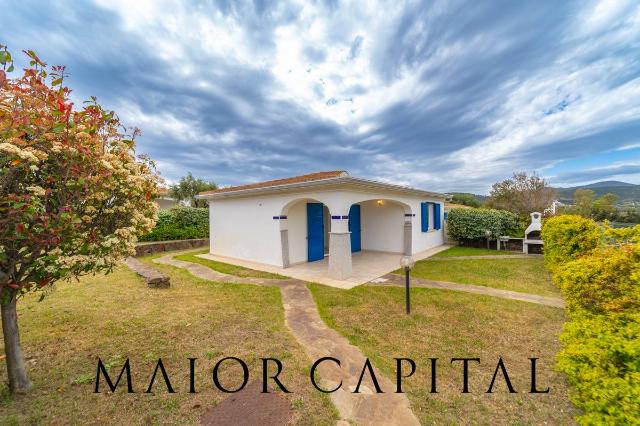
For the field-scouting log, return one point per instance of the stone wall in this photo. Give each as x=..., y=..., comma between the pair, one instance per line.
x=143, y=249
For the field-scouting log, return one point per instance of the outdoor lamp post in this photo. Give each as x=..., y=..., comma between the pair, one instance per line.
x=406, y=263
x=488, y=234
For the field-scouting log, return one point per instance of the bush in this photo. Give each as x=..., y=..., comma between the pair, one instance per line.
x=180, y=223
x=598, y=271
x=607, y=280
x=567, y=237
x=471, y=224
x=600, y=358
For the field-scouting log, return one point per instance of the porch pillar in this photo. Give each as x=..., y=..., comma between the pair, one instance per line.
x=284, y=241
x=340, y=255
x=408, y=227
x=340, y=266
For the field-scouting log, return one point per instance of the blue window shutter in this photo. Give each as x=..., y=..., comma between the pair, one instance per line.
x=424, y=213
x=436, y=215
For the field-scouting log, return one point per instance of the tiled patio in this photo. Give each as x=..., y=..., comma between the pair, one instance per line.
x=367, y=265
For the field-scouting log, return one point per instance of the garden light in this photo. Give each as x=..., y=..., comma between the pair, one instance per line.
x=406, y=263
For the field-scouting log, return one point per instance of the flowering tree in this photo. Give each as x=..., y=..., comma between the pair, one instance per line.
x=73, y=194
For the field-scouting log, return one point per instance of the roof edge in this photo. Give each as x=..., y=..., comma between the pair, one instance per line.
x=320, y=182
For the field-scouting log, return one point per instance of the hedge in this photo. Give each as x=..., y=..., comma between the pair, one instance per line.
x=180, y=223
x=471, y=224
x=567, y=237
x=597, y=269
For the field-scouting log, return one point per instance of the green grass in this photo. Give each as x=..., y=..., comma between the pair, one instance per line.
x=227, y=268
x=116, y=317
x=471, y=251
x=446, y=324
x=523, y=275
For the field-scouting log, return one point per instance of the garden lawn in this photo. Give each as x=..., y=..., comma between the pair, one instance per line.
x=226, y=268
x=523, y=275
x=472, y=251
x=116, y=317
x=444, y=325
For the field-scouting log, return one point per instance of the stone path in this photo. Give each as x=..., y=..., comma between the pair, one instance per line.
x=304, y=322
x=152, y=277
x=398, y=280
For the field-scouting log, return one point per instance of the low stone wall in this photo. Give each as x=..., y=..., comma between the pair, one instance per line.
x=143, y=249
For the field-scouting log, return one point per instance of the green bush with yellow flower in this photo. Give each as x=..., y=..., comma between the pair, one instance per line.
x=597, y=269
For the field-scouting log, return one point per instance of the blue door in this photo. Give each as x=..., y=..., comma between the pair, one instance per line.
x=315, y=231
x=354, y=227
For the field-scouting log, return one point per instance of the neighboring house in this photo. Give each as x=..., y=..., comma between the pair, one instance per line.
x=164, y=201
x=305, y=218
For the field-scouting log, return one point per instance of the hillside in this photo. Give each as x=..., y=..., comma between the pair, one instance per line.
x=627, y=192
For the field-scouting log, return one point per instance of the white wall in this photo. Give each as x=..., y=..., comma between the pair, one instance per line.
x=382, y=226
x=244, y=228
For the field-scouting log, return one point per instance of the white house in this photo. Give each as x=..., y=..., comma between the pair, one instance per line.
x=331, y=215
x=164, y=200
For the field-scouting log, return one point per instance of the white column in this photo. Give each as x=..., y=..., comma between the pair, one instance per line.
x=408, y=232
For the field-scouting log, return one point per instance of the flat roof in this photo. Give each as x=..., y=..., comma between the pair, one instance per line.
x=318, y=180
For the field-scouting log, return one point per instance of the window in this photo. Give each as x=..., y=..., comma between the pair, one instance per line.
x=430, y=210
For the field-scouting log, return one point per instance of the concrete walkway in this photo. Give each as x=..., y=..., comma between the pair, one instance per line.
x=304, y=322
x=398, y=280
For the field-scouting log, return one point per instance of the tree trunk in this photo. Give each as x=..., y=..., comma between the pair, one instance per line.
x=19, y=383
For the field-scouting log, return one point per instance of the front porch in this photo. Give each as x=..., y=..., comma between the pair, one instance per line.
x=366, y=266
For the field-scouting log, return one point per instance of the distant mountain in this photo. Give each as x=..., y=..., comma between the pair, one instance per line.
x=626, y=192
x=608, y=183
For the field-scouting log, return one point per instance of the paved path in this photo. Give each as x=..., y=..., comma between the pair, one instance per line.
x=304, y=322
x=486, y=256
x=398, y=280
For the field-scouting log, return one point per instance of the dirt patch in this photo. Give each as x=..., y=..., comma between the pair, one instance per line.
x=249, y=407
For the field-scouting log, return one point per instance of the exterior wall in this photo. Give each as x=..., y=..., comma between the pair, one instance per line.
x=245, y=228
x=382, y=226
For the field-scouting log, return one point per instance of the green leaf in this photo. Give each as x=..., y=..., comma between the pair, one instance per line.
x=56, y=81
x=59, y=127
x=10, y=69
x=3, y=57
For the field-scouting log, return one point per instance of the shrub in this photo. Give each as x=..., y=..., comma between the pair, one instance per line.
x=600, y=358
x=470, y=224
x=605, y=280
x=567, y=237
x=598, y=272
x=180, y=223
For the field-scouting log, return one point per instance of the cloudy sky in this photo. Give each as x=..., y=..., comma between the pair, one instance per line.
x=440, y=95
